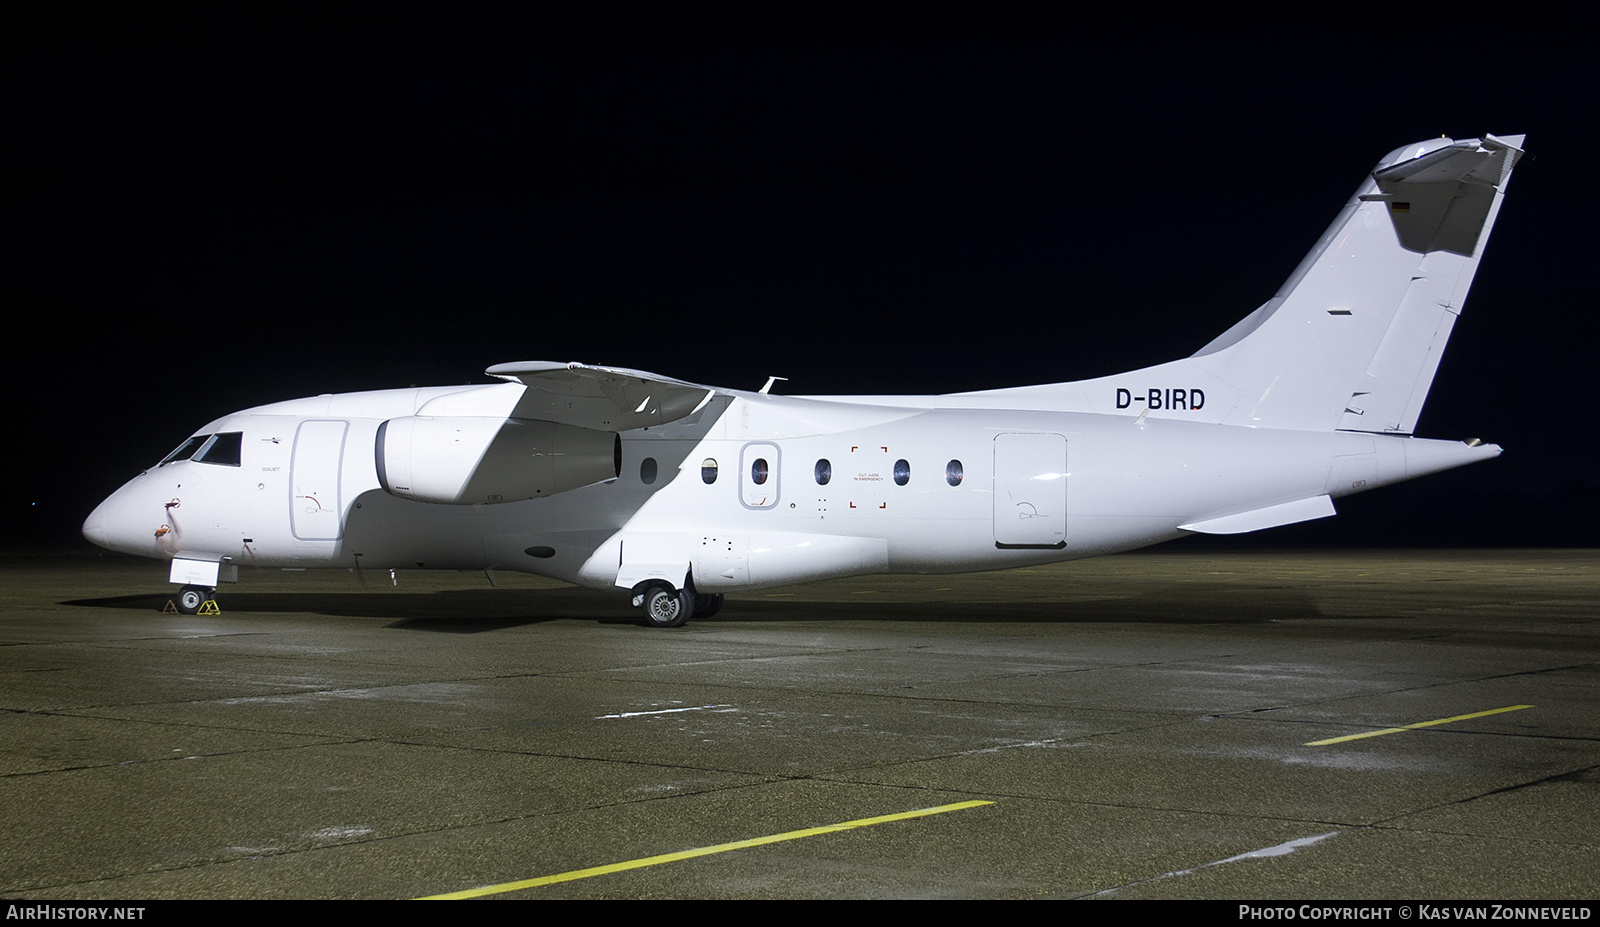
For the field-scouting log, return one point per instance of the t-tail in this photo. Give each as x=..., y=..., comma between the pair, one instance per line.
x=1352, y=339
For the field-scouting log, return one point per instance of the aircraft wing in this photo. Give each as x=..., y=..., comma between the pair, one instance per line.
x=606, y=398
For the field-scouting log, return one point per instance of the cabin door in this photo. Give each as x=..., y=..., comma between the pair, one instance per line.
x=315, y=509
x=1030, y=491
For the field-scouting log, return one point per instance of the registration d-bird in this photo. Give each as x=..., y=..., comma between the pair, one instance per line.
x=678, y=493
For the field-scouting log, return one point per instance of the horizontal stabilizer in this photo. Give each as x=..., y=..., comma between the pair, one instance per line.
x=1286, y=513
x=1440, y=201
x=606, y=398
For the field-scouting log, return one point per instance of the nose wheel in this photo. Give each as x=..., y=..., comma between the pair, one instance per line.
x=196, y=600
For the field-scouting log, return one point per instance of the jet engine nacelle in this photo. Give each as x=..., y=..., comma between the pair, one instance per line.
x=469, y=460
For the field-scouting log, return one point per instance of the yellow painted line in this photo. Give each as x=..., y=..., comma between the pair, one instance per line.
x=1412, y=727
x=702, y=851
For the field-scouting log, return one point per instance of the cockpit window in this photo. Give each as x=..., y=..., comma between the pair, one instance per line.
x=218, y=449
x=222, y=449
x=185, y=450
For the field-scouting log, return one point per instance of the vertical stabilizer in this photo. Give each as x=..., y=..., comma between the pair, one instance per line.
x=1352, y=339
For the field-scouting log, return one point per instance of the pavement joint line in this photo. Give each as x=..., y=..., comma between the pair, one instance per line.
x=1516, y=786
x=1413, y=727
x=576, y=874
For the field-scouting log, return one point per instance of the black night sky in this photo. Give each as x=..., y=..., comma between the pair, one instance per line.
x=207, y=219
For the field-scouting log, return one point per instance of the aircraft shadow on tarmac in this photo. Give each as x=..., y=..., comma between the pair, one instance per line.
x=469, y=611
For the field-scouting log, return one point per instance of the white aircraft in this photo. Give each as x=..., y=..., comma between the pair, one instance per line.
x=680, y=493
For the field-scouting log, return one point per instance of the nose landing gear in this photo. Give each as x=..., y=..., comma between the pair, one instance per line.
x=195, y=600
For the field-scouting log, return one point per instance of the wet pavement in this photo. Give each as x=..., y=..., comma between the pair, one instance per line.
x=1151, y=725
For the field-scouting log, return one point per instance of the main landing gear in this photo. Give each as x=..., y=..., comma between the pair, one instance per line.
x=196, y=600
x=665, y=607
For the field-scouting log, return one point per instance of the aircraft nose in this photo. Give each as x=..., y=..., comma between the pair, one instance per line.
x=94, y=527
x=117, y=523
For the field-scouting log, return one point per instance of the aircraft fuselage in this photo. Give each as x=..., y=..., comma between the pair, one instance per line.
x=900, y=489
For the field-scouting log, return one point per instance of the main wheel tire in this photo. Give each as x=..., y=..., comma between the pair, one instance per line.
x=191, y=598
x=706, y=605
x=665, y=607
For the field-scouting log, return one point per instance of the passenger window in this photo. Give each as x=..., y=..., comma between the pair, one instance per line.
x=708, y=471
x=953, y=473
x=222, y=450
x=758, y=471
x=902, y=472
x=647, y=471
x=824, y=472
